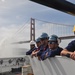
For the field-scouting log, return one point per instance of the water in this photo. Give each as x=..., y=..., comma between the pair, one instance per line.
x=7, y=49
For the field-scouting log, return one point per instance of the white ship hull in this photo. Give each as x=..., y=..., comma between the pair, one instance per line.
x=53, y=66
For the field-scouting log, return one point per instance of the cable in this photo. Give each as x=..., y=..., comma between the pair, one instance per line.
x=55, y=28
x=53, y=23
x=20, y=29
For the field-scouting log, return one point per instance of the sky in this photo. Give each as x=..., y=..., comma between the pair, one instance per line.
x=15, y=13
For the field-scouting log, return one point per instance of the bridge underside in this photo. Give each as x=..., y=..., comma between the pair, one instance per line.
x=61, y=5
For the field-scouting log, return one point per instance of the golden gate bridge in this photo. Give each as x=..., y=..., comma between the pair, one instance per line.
x=35, y=27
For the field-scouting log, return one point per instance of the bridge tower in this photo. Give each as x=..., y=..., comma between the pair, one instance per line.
x=32, y=29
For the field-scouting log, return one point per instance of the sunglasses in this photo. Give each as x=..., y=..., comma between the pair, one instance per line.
x=52, y=42
x=32, y=45
x=38, y=42
x=43, y=39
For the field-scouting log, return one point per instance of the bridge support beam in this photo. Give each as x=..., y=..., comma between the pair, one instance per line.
x=32, y=30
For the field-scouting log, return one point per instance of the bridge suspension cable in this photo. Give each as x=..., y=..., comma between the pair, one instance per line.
x=22, y=28
x=53, y=28
x=53, y=23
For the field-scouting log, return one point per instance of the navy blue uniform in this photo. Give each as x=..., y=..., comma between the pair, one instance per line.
x=30, y=51
x=37, y=49
x=71, y=46
x=51, y=53
x=42, y=49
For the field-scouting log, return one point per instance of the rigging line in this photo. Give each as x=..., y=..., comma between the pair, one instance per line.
x=23, y=28
x=18, y=34
x=17, y=31
x=53, y=23
x=21, y=31
x=20, y=28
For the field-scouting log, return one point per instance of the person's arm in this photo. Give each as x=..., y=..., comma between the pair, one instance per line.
x=65, y=52
x=43, y=56
x=70, y=49
x=56, y=52
x=34, y=53
x=40, y=51
x=46, y=54
x=29, y=52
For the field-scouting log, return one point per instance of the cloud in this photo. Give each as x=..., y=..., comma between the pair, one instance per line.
x=13, y=16
x=17, y=11
x=72, y=1
x=3, y=0
x=11, y=34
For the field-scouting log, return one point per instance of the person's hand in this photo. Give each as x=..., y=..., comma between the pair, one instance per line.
x=32, y=54
x=46, y=54
x=72, y=55
x=39, y=58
